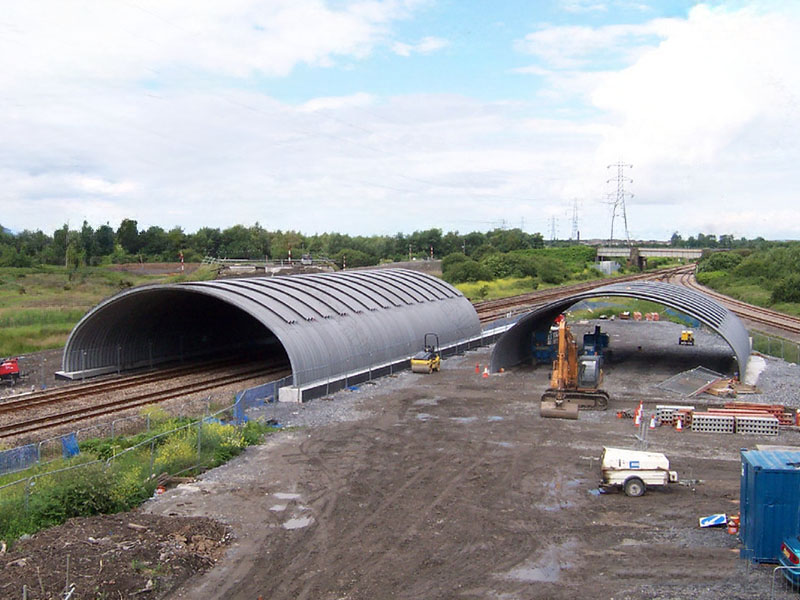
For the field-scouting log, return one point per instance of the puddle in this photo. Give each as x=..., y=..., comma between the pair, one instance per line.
x=464, y=419
x=547, y=568
x=503, y=444
x=494, y=418
x=424, y=417
x=597, y=492
x=298, y=523
x=285, y=496
x=426, y=402
x=561, y=505
x=278, y=508
x=630, y=542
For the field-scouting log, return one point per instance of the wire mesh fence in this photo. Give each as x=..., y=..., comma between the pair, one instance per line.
x=344, y=372
x=774, y=346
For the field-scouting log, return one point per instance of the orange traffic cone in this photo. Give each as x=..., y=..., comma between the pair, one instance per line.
x=486, y=372
x=653, y=422
x=637, y=419
x=477, y=368
x=678, y=424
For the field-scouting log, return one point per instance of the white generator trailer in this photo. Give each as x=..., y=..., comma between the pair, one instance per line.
x=634, y=470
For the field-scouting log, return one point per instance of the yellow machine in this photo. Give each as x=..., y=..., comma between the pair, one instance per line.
x=574, y=382
x=429, y=359
x=687, y=338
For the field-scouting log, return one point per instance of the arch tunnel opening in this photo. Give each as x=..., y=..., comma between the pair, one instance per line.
x=725, y=348
x=167, y=327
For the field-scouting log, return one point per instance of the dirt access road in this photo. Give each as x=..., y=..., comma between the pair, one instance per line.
x=452, y=486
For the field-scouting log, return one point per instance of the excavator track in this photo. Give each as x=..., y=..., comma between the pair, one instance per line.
x=586, y=400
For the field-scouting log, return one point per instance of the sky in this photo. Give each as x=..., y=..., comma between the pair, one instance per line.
x=373, y=117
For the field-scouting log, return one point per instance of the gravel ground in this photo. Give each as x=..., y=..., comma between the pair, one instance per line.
x=452, y=486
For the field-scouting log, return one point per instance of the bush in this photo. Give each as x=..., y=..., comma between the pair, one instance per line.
x=453, y=259
x=77, y=493
x=719, y=261
x=354, y=258
x=552, y=270
x=467, y=271
x=787, y=289
x=178, y=453
x=510, y=265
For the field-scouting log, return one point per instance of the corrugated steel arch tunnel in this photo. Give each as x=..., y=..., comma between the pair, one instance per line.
x=323, y=324
x=514, y=347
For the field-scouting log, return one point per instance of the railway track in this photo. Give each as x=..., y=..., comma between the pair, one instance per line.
x=503, y=307
x=749, y=312
x=76, y=392
x=65, y=415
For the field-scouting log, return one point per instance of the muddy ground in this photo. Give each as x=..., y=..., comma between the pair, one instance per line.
x=452, y=486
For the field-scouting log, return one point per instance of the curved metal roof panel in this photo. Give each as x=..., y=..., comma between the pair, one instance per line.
x=514, y=346
x=328, y=323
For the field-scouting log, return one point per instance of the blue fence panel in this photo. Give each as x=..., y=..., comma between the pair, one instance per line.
x=69, y=445
x=19, y=458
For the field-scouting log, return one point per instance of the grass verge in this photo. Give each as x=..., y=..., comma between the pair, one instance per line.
x=117, y=474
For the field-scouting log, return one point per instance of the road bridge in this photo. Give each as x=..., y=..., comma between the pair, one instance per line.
x=639, y=256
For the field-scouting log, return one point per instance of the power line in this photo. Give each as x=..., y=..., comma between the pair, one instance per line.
x=618, y=199
x=575, y=233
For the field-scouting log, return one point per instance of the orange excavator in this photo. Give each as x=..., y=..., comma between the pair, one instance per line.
x=575, y=381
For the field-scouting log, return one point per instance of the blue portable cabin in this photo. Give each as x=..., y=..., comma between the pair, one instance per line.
x=769, y=502
x=544, y=346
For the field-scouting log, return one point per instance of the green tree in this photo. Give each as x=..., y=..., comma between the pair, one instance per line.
x=104, y=240
x=128, y=236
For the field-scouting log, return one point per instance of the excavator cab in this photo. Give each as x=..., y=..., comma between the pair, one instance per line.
x=429, y=359
x=575, y=381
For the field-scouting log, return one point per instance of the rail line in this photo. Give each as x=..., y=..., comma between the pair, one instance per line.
x=755, y=314
x=76, y=392
x=35, y=424
x=503, y=307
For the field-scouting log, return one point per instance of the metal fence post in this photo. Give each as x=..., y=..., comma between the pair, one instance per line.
x=28, y=485
x=152, y=456
x=199, y=435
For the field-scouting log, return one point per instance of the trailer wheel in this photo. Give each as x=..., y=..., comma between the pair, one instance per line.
x=634, y=487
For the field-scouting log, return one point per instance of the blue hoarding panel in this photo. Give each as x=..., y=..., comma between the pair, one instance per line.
x=769, y=497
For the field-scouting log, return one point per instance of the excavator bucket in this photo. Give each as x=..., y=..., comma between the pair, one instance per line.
x=558, y=410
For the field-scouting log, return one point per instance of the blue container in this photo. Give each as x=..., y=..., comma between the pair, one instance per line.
x=769, y=498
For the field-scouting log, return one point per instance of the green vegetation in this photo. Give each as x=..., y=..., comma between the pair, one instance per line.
x=768, y=276
x=114, y=475
x=500, y=274
x=613, y=306
x=126, y=244
x=39, y=306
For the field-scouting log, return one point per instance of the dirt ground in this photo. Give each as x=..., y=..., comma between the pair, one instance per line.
x=114, y=556
x=452, y=486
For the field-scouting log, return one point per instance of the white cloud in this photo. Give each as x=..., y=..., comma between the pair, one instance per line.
x=426, y=45
x=136, y=110
x=336, y=102
x=63, y=40
x=722, y=78
x=579, y=6
x=576, y=46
